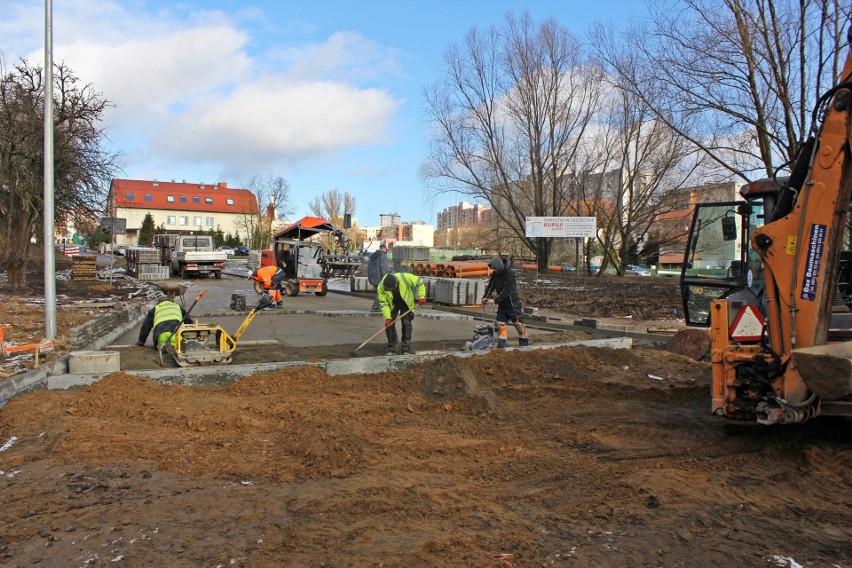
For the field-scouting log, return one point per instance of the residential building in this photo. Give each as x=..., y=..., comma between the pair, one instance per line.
x=418, y=233
x=463, y=214
x=389, y=219
x=181, y=207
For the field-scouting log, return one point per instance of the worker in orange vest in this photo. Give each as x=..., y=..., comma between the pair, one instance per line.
x=270, y=278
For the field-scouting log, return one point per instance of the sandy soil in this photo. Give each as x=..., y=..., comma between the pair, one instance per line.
x=566, y=457
x=573, y=457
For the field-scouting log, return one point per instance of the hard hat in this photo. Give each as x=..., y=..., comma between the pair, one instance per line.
x=390, y=282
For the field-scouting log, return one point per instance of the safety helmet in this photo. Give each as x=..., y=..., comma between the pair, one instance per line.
x=390, y=282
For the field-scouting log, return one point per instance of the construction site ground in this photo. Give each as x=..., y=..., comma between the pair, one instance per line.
x=571, y=456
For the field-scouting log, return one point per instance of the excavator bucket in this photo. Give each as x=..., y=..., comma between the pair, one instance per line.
x=826, y=369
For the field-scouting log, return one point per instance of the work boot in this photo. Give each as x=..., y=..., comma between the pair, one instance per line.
x=523, y=341
x=501, y=343
x=391, y=350
x=407, y=351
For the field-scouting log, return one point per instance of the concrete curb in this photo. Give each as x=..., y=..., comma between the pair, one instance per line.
x=226, y=374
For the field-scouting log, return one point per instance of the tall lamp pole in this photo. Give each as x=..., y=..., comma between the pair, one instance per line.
x=49, y=251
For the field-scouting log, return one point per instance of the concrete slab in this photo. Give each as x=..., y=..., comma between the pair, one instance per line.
x=83, y=362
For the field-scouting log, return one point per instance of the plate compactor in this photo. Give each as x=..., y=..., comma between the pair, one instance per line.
x=208, y=344
x=483, y=334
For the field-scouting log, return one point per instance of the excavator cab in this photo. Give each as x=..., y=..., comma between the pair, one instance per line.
x=717, y=262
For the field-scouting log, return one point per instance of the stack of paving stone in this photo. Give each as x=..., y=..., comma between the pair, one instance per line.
x=238, y=301
x=84, y=268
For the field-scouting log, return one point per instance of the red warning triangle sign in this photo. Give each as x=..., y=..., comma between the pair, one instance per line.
x=748, y=325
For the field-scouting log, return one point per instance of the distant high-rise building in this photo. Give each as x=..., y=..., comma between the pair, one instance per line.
x=463, y=214
x=389, y=219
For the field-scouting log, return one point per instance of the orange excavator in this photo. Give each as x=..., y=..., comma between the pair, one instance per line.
x=779, y=317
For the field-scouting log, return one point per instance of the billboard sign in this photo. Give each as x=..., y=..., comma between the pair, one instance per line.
x=114, y=225
x=561, y=227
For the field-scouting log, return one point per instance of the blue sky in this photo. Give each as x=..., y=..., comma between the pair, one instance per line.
x=327, y=93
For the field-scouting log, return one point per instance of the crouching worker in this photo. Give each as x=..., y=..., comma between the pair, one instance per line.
x=398, y=294
x=509, y=309
x=270, y=277
x=164, y=318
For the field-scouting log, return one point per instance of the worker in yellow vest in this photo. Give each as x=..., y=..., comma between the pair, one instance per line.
x=164, y=318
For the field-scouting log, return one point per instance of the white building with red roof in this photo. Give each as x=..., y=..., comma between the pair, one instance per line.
x=181, y=207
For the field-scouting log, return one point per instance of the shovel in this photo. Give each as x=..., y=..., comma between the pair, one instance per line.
x=169, y=338
x=399, y=317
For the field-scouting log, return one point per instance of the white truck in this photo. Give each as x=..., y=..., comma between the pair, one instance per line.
x=188, y=255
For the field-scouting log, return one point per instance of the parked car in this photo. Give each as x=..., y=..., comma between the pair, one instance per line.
x=119, y=250
x=242, y=250
x=566, y=267
x=637, y=270
x=227, y=250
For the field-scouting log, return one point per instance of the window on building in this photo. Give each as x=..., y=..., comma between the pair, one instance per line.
x=148, y=197
x=196, y=221
x=184, y=220
x=196, y=199
x=129, y=196
x=170, y=198
x=170, y=220
x=208, y=200
x=183, y=199
x=229, y=201
x=208, y=221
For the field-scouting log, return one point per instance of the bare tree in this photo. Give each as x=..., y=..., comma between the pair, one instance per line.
x=736, y=78
x=649, y=160
x=273, y=202
x=332, y=206
x=508, y=122
x=82, y=167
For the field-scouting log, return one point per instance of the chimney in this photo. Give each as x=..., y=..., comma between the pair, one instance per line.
x=223, y=185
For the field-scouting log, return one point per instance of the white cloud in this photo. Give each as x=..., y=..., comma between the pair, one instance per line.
x=189, y=91
x=274, y=120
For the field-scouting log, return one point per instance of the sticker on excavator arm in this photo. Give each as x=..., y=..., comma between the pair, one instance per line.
x=747, y=326
x=812, y=264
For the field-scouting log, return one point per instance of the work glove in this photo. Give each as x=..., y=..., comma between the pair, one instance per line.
x=388, y=322
x=487, y=301
x=421, y=301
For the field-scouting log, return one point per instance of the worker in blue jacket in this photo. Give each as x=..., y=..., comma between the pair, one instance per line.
x=504, y=284
x=398, y=294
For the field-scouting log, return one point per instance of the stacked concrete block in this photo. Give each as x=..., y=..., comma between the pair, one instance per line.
x=360, y=284
x=459, y=291
x=238, y=302
x=144, y=263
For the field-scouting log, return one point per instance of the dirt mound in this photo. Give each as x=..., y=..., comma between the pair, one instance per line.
x=586, y=457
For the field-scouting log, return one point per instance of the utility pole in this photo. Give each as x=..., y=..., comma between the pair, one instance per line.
x=49, y=251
